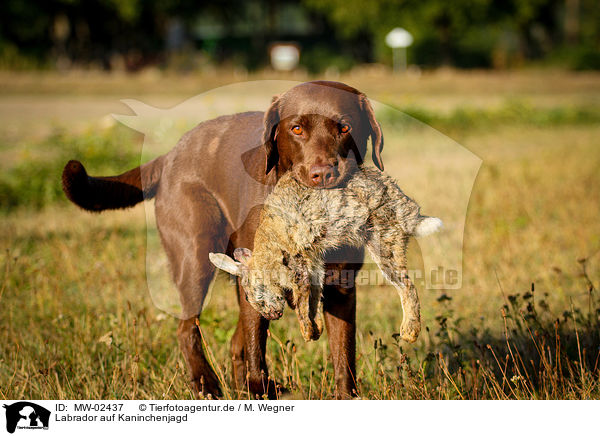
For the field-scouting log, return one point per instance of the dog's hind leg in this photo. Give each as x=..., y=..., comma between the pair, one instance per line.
x=204, y=379
x=189, y=230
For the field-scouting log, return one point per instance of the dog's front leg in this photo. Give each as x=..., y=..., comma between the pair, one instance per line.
x=340, y=321
x=339, y=310
x=252, y=374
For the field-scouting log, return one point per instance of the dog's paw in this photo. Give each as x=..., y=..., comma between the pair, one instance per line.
x=428, y=226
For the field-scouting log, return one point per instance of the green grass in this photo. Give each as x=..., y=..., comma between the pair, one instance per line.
x=510, y=112
x=33, y=177
x=78, y=322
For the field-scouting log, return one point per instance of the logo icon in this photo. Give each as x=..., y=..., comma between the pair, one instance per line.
x=26, y=415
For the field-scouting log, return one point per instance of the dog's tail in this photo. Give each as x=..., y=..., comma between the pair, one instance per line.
x=117, y=192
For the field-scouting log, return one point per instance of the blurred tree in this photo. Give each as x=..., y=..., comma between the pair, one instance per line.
x=91, y=30
x=336, y=33
x=436, y=25
x=466, y=32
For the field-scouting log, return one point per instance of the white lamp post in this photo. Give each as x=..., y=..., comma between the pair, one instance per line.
x=285, y=57
x=398, y=39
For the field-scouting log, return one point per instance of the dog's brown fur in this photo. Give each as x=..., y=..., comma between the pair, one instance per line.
x=205, y=203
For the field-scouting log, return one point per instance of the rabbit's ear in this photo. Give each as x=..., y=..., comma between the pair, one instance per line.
x=242, y=255
x=226, y=263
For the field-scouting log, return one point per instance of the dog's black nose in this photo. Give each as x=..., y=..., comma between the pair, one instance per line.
x=323, y=175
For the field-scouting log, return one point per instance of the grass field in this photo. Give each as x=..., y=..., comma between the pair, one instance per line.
x=78, y=322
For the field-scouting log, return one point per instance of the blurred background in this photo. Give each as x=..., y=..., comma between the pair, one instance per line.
x=515, y=82
x=337, y=35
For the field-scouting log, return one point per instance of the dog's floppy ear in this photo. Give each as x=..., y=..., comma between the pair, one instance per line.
x=271, y=121
x=374, y=131
x=226, y=263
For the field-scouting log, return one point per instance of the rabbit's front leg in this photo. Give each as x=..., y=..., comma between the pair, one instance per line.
x=389, y=252
x=411, y=321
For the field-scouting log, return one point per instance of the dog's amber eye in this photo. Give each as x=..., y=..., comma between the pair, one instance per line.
x=345, y=128
x=297, y=130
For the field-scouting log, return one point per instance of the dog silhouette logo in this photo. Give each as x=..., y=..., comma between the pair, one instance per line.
x=26, y=415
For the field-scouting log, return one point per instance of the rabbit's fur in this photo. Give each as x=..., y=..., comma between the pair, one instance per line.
x=299, y=224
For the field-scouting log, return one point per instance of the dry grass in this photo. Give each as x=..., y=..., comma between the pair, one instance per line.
x=78, y=321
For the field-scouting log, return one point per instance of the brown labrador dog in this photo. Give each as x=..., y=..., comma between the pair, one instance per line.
x=209, y=190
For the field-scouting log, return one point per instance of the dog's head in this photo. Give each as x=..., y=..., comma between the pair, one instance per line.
x=319, y=132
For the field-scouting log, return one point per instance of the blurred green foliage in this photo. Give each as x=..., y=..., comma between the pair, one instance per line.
x=474, y=33
x=512, y=112
x=132, y=34
x=35, y=180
